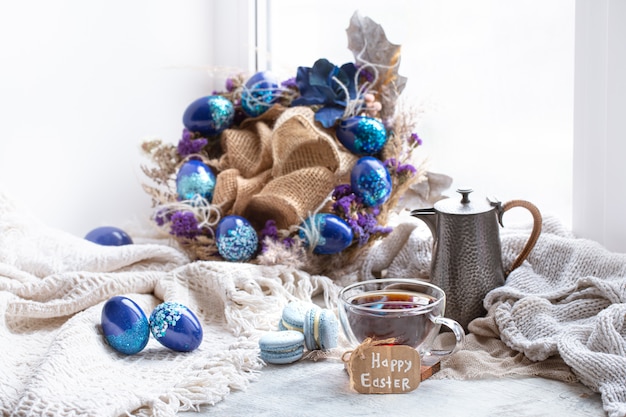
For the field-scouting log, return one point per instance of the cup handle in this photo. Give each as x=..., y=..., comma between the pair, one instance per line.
x=459, y=335
x=534, y=234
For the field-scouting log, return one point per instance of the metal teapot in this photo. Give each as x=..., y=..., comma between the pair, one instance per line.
x=467, y=255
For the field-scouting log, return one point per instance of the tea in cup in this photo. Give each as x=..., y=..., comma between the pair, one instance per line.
x=406, y=311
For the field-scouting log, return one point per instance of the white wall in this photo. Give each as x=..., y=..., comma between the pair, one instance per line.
x=496, y=76
x=81, y=83
x=600, y=123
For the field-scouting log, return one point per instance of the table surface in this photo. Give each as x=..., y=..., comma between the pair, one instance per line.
x=322, y=388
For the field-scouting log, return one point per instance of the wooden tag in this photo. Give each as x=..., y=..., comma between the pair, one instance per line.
x=384, y=369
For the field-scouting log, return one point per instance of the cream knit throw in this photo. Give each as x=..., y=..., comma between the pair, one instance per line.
x=53, y=358
x=560, y=315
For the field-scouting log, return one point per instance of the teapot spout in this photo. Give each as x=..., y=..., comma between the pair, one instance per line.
x=429, y=217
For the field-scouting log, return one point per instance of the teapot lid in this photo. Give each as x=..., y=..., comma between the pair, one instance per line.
x=466, y=205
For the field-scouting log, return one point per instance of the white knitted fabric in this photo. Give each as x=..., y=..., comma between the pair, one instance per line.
x=53, y=358
x=569, y=299
x=560, y=315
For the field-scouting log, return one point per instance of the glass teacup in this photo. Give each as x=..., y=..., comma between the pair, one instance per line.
x=408, y=311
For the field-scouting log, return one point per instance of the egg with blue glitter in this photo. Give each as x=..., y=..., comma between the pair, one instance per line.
x=176, y=327
x=260, y=92
x=124, y=325
x=362, y=135
x=236, y=239
x=371, y=181
x=209, y=115
x=109, y=236
x=195, y=178
x=332, y=232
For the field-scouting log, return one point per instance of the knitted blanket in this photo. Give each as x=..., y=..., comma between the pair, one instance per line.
x=54, y=359
x=560, y=315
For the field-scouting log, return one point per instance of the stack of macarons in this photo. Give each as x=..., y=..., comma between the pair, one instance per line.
x=302, y=325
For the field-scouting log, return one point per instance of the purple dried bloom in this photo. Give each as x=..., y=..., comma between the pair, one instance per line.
x=270, y=230
x=184, y=224
x=414, y=139
x=187, y=145
x=344, y=204
x=369, y=77
x=290, y=83
x=230, y=84
x=342, y=190
x=406, y=169
x=390, y=163
x=162, y=217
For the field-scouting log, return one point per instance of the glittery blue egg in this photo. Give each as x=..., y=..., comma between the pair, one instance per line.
x=124, y=325
x=362, y=135
x=209, y=116
x=260, y=92
x=194, y=178
x=334, y=234
x=371, y=181
x=176, y=327
x=236, y=239
x=109, y=236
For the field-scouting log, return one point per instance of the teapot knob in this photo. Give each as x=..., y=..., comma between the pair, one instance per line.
x=465, y=192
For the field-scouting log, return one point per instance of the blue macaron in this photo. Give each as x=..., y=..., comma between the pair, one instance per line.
x=320, y=329
x=293, y=315
x=282, y=347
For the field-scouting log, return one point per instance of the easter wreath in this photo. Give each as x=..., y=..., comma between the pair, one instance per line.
x=302, y=172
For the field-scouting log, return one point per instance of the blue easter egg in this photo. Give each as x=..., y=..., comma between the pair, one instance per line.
x=176, y=327
x=371, y=181
x=236, y=239
x=362, y=135
x=260, y=92
x=124, y=325
x=334, y=233
x=195, y=177
x=109, y=236
x=209, y=116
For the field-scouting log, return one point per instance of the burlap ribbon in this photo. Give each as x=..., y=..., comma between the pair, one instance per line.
x=279, y=166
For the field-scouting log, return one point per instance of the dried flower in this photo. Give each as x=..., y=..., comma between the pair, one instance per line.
x=269, y=234
x=328, y=86
x=189, y=145
x=184, y=224
x=361, y=219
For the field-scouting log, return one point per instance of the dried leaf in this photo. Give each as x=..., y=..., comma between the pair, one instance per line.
x=369, y=44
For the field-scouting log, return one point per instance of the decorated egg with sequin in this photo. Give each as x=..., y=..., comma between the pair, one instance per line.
x=362, y=135
x=176, y=327
x=332, y=232
x=124, y=325
x=236, y=239
x=195, y=178
x=209, y=116
x=371, y=181
x=260, y=92
x=109, y=236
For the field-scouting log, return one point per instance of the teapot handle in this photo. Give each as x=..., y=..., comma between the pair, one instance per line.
x=534, y=234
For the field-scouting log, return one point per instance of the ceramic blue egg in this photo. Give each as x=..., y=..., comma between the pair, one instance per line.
x=176, y=327
x=109, y=236
x=371, y=181
x=193, y=178
x=334, y=233
x=236, y=239
x=362, y=135
x=209, y=116
x=124, y=325
x=260, y=92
